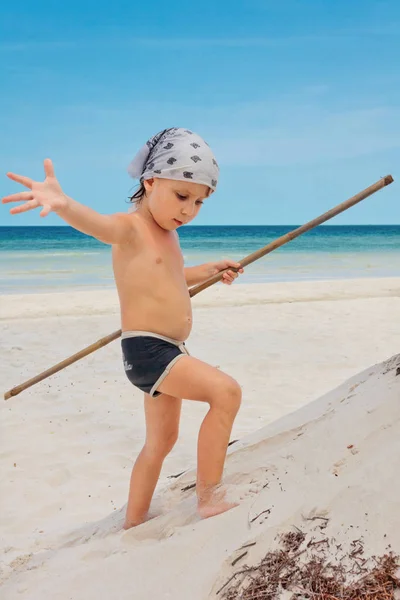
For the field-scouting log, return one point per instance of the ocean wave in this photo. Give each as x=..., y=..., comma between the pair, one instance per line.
x=34, y=272
x=15, y=254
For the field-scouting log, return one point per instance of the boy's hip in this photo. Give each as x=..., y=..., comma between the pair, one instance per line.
x=148, y=358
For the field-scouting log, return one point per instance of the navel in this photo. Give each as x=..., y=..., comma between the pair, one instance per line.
x=158, y=260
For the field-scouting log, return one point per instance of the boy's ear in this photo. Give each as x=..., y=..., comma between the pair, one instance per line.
x=148, y=184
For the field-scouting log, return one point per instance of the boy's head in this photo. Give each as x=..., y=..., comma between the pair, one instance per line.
x=173, y=203
x=175, y=163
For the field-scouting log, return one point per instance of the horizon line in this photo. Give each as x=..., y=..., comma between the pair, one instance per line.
x=241, y=225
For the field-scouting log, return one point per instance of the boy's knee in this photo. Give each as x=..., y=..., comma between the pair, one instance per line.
x=161, y=447
x=235, y=394
x=229, y=397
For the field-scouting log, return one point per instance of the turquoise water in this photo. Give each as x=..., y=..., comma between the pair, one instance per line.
x=49, y=258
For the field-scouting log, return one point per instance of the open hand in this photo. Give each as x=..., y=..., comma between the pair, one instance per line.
x=47, y=193
x=221, y=265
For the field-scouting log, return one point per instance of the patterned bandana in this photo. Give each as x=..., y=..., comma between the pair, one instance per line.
x=176, y=154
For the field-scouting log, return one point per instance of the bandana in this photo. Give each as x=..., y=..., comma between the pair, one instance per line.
x=176, y=154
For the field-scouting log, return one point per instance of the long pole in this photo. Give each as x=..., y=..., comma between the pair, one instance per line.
x=202, y=286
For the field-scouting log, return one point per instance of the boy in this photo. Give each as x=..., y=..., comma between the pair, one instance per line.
x=177, y=171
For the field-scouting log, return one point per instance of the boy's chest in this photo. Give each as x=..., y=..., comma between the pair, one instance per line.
x=166, y=252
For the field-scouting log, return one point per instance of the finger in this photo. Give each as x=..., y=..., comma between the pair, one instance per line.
x=26, y=181
x=24, y=207
x=232, y=274
x=232, y=263
x=21, y=196
x=227, y=278
x=48, y=168
x=45, y=211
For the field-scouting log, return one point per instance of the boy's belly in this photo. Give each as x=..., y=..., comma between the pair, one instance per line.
x=170, y=315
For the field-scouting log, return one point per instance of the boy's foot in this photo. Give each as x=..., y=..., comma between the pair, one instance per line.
x=214, y=508
x=152, y=514
x=129, y=525
x=214, y=502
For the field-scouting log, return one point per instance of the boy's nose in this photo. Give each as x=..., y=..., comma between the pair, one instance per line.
x=187, y=210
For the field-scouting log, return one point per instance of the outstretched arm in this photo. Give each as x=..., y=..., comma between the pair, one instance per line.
x=110, y=229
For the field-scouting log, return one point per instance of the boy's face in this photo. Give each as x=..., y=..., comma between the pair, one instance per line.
x=174, y=203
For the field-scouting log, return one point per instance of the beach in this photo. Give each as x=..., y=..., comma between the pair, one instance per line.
x=140, y=139
x=68, y=443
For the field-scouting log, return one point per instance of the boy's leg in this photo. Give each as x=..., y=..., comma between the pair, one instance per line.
x=162, y=427
x=193, y=379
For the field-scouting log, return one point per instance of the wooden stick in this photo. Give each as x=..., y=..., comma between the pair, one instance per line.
x=202, y=286
x=296, y=232
x=64, y=363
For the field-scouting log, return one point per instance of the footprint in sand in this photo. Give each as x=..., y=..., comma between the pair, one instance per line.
x=95, y=555
x=58, y=476
x=111, y=524
x=253, y=481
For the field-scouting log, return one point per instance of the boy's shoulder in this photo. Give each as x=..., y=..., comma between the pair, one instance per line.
x=128, y=225
x=127, y=219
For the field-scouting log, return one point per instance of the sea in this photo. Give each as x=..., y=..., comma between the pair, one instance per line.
x=47, y=258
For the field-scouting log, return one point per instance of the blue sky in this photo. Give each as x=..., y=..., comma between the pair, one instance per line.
x=300, y=100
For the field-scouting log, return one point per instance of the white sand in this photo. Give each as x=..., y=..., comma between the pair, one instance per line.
x=68, y=443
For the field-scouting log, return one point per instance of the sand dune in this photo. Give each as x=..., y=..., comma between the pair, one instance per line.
x=335, y=459
x=69, y=447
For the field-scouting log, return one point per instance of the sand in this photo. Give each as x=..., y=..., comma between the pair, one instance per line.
x=68, y=443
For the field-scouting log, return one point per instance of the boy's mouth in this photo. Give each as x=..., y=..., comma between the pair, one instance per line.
x=178, y=222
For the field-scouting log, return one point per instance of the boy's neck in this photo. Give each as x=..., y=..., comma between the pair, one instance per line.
x=144, y=213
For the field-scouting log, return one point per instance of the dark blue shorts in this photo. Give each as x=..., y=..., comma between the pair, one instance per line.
x=148, y=358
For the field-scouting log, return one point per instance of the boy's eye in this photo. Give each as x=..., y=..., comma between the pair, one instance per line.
x=180, y=196
x=199, y=202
